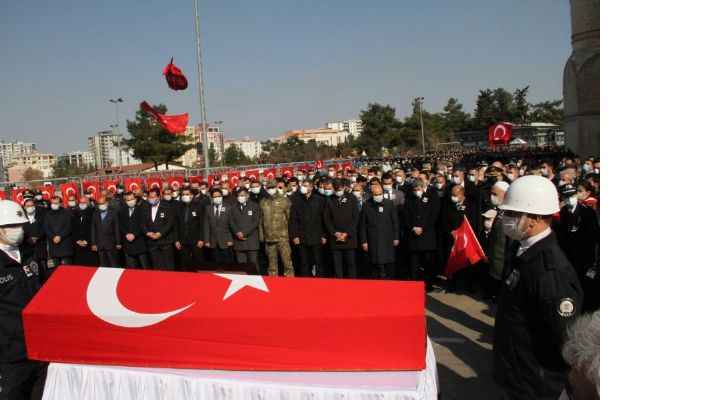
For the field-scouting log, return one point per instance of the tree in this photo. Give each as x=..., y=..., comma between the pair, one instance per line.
x=31, y=174
x=64, y=169
x=494, y=106
x=521, y=106
x=234, y=156
x=151, y=142
x=454, y=118
x=547, y=111
x=380, y=128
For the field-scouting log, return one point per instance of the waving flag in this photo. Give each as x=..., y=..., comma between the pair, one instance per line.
x=68, y=189
x=268, y=173
x=466, y=249
x=3, y=195
x=253, y=174
x=173, y=123
x=176, y=80
x=195, y=178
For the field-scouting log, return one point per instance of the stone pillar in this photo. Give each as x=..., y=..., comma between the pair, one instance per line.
x=580, y=82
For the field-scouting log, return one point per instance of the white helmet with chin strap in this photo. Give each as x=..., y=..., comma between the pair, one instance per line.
x=531, y=194
x=11, y=213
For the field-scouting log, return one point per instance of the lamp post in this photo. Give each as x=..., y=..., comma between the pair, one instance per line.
x=118, y=131
x=419, y=101
x=203, y=119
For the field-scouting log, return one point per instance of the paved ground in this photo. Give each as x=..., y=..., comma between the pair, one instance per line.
x=461, y=328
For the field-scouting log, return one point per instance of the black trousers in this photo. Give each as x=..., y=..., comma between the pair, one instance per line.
x=162, y=256
x=57, y=261
x=345, y=258
x=22, y=380
x=382, y=271
x=109, y=258
x=222, y=255
x=423, y=267
x=311, y=258
x=189, y=254
x=138, y=261
x=249, y=256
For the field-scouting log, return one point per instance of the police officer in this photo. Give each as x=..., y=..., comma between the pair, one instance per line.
x=540, y=295
x=19, y=281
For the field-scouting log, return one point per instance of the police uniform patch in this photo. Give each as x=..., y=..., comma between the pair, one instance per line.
x=27, y=270
x=566, y=307
x=34, y=267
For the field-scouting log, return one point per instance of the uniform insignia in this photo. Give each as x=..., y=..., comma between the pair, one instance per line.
x=27, y=270
x=381, y=209
x=566, y=307
x=591, y=273
x=425, y=199
x=513, y=279
x=249, y=212
x=194, y=213
x=162, y=215
x=463, y=208
x=19, y=213
x=34, y=267
x=221, y=209
x=343, y=200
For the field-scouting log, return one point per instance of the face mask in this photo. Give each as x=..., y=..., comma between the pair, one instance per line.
x=339, y=193
x=30, y=210
x=328, y=192
x=152, y=202
x=543, y=171
x=186, y=198
x=13, y=235
x=439, y=186
x=299, y=177
x=144, y=197
x=419, y=193
x=471, y=178
x=488, y=224
x=571, y=201
x=83, y=207
x=55, y=207
x=387, y=187
x=72, y=203
x=203, y=191
x=596, y=171
x=448, y=176
x=311, y=176
x=271, y=191
x=304, y=190
x=353, y=179
x=242, y=199
x=321, y=191
x=119, y=191
x=279, y=191
x=331, y=174
x=378, y=199
x=511, y=177
x=168, y=197
x=38, y=197
x=512, y=229
x=457, y=180
x=399, y=179
x=225, y=192
x=494, y=200
x=561, y=183
x=256, y=190
x=585, y=168
x=103, y=207
x=175, y=195
x=217, y=200
x=129, y=203
x=369, y=178
x=454, y=199
x=89, y=195
x=357, y=194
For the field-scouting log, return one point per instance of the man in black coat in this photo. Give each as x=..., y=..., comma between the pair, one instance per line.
x=246, y=218
x=341, y=218
x=132, y=235
x=419, y=217
x=158, y=225
x=306, y=229
x=57, y=227
x=35, y=242
x=81, y=234
x=379, y=233
x=189, y=217
x=105, y=234
x=457, y=206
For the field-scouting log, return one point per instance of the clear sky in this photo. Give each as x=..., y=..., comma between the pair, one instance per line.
x=269, y=65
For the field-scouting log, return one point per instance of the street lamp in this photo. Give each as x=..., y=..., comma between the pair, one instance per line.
x=419, y=101
x=118, y=130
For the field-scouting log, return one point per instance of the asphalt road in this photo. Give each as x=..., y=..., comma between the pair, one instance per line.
x=461, y=328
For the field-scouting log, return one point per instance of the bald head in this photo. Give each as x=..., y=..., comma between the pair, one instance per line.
x=376, y=190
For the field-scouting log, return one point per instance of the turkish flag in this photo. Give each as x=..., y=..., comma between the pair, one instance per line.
x=500, y=133
x=287, y=172
x=68, y=189
x=233, y=178
x=90, y=187
x=252, y=174
x=176, y=80
x=336, y=166
x=176, y=182
x=173, y=123
x=154, y=183
x=213, y=180
x=466, y=251
x=195, y=178
x=346, y=167
x=305, y=167
x=132, y=184
x=269, y=173
x=17, y=196
x=47, y=192
x=112, y=316
x=3, y=195
x=110, y=185
x=319, y=164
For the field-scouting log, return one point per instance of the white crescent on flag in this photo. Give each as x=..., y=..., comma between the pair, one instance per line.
x=502, y=131
x=71, y=191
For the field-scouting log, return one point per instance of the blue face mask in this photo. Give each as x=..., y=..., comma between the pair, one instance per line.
x=585, y=168
x=328, y=192
x=83, y=207
x=152, y=201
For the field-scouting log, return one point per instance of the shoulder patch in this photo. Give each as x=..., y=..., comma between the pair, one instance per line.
x=566, y=307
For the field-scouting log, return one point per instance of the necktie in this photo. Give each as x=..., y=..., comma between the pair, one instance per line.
x=216, y=211
x=187, y=213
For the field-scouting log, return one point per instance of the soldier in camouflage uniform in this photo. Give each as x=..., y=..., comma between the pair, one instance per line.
x=273, y=229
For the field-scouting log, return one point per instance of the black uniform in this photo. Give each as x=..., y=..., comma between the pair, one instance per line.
x=37, y=247
x=539, y=297
x=19, y=376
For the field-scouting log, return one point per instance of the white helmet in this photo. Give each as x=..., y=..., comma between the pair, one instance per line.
x=532, y=194
x=11, y=213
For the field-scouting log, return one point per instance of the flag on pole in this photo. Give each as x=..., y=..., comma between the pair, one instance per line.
x=176, y=80
x=466, y=251
x=173, y=123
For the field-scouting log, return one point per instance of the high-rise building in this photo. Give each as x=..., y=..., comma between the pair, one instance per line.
x=215, y=140
x=42, y=162
x=107, y=151
x=352, y=127
x=250, y=148
x=10, y=150
x=78, y=158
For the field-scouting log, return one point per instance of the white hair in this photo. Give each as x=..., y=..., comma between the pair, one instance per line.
x=502, y=185
x=582, y=346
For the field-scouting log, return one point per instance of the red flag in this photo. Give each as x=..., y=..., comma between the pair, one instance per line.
x=252, y=174
x=500, y=133
x=91, y=188
x=3, y=195
x=68, y=189
x=346, y=167
x=233, y=178
x=47, y=192
x=173, y=123
x=304, y=167
x=176, y=80
x=110, y=185
x=195, y=178
x=466, y=251
x=113, y=316
x=287, y=172
x=154, y=183
x=319, y=164
x=17, y=196
x=132, y=184
x=213, y=180
x=176, y=182
x=269, y=173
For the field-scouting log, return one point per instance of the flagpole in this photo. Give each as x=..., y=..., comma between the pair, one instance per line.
x=203, y=119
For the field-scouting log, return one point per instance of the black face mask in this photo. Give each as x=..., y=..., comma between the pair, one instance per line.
x=195, y=192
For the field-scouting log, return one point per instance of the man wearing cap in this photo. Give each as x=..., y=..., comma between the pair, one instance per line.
x=540, y=295
x=273, y=229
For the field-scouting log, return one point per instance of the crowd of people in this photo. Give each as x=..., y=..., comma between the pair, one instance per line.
x=390, y=218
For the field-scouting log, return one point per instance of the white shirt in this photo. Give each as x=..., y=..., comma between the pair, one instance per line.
x=11, y=250
x=31, y=217
x=154, y=211
x=527, y=243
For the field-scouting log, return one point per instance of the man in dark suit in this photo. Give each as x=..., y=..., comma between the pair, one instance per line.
x=217, y=232
x=341, y=217
x=35, y=242
x=105, y=234
x=189, y=242
x=132, y=235
x=458, y=206
x=57, y=227
x=379, y=233
x=158, y=225
x=306, y=229
x=419, y=217
x=81, y=234
x=246, y=219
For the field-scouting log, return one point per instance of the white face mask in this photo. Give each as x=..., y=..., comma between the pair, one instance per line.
x=271, y=191
x=186, y=198
x=457, y=180
x=203, y=191
x=513, y=228
x=353, y=179
x=454, y=199
x=299, y=177
x=168, y=197
x=71, y=203
x=327, y=192
x=38, y=197
x=387, y=187
x=339, y=193
x=543, y=171
x=256, y=190
x=511, y=177
x=378, y=198
x=596, y=171
x=419, y=193
x=494, y=200
x=571, y=201
x=30, y=210
x=294, y=189
x=242, y=199
x=175, y=195
x=488, y=224
x=399, y=179
x=217, y=200
x=357, y=194
x=471, y=178
x=85, y=206
x=225, y=192
x=12, y=235
x=304, y=189
x=331, y=174
x=439, y=186
x=129, y=203
x=279, y=191
x=55, y=207
x=103, y=207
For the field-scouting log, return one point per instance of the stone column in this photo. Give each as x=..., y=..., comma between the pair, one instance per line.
x=580, y=82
